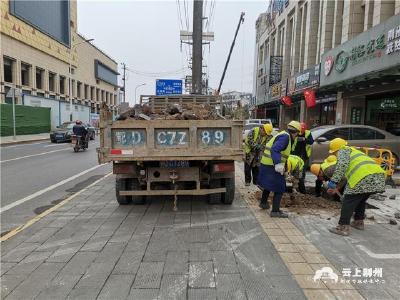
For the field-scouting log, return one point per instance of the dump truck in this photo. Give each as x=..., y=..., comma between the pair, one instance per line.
x=166, y=157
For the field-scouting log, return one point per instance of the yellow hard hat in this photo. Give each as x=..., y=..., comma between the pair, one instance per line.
x=315, y=168
x=267, y=128
x=331, y=158
x=336, y=144
x=296, y=125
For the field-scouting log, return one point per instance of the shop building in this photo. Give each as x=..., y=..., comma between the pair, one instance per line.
x=39, y=43
x=365, y=74
x=292, y=38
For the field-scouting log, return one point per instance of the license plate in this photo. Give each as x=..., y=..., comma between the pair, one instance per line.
x=59, y=135
x=174, y=138
x=174, y=164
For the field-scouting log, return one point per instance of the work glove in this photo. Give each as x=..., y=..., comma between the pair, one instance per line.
x=331, y=185
x=280, y=168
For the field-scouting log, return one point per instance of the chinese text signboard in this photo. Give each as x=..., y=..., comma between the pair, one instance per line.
x=371, y=51
x=168, y=87
x=356, y=115
x=275, y=70
x=306, y=79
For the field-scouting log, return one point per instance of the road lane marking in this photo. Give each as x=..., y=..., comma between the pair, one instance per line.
x=38, y=154
x=49, y=188
x=378, y=255
x=45, y=213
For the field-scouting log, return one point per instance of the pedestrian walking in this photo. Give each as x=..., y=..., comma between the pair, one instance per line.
x=254, y=146
x=302, y=147
x=364, y=178
x=272, y=168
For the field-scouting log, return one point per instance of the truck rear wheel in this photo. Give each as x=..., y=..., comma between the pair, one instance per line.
x=229, y=184
x=214, y=198
x=121, y=184
x=135, y=186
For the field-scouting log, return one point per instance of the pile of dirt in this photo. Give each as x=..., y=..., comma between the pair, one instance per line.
x=172, y=112
x=302, y=204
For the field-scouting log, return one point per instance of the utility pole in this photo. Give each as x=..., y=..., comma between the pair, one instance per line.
x=197, y=60
x=124, y=79
x=241, y=20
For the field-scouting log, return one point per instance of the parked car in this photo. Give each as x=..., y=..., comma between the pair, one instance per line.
x=250, y=126
x=356, y=135
x=64, y=131
x=258, y=121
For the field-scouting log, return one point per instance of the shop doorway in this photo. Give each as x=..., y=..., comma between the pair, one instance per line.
x=384, y=113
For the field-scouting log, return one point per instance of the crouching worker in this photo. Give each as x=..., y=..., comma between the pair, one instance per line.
x=254, y=145
x=364, y=178
x=294, y=170
x=273, y=161
x=323, y=172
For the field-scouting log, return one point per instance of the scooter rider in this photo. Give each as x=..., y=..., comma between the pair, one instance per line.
x=80, y=130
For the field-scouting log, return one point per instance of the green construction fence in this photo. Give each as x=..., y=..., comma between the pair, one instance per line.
x=28, y=119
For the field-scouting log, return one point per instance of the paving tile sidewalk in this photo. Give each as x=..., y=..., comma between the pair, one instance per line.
x=92, y=248
x=9, y=140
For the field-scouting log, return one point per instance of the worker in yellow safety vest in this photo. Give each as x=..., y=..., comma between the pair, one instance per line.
x=323, y=172
x=254, y=145
x=364, y=178
x=294, y=170
x=272, y=168
x=302, y=147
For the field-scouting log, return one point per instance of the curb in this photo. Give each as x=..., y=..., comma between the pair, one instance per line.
x=23, y=141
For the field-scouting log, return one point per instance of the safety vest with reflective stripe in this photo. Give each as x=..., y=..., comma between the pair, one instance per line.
x=308, y=147
x=360, y=166
x=295, y=162
x=267, y=158
x=325, y=167
x=247, y=148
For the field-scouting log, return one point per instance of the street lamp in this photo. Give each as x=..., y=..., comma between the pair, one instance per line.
x=70, y=73
x=137, y=88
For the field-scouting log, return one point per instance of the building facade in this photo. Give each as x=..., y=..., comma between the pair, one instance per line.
x=298, y=41
x=39, y=42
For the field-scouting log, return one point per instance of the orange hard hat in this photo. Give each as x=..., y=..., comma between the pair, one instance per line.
x=315, y=168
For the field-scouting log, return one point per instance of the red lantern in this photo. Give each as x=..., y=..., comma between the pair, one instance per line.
x=309, y=95
x=287, y=100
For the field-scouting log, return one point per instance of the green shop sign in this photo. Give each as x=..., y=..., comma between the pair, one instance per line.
x=360, y=53
x=372, y=51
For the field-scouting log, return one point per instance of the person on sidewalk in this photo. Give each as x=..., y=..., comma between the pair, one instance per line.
x=294, y=170
x=272, y=168
x=254, y=145
x=364, y=178
x=323, y=172
x=302, y=147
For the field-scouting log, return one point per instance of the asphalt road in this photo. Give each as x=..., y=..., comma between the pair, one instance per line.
x=40, y=174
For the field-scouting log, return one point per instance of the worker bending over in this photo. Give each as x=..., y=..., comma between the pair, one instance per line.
x=294, y=170
x=364, y=178
x=323, y=172
x=254, y=146
x=302, y=147
x=272, y=168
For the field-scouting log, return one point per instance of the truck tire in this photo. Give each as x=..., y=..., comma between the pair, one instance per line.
x=121, y=184
x=227, y=198
x=135, y=186
x=215, y=198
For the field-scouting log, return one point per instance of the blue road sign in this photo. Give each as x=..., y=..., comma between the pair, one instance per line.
x=168, y=86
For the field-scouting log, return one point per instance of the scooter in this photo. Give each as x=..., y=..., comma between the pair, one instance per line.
x=80, y=143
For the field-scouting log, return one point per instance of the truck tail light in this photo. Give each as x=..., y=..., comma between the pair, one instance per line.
x=224, y=167
x=120, y=151
x=116, y=151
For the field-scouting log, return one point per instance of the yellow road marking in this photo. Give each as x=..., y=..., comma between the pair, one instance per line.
x=50, y=210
